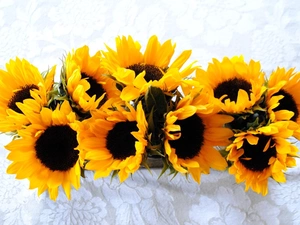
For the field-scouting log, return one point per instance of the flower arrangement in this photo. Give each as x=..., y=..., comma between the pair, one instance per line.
x=119, y=109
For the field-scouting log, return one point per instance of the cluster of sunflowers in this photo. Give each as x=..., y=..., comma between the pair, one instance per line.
x=122, y=109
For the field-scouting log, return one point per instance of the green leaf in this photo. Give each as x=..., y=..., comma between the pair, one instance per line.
x=155, y=98
x=155, y=106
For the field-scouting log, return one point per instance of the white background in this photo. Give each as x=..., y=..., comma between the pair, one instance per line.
x=43, y=31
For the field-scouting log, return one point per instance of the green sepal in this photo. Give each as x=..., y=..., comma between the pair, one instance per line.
x=145, y=164
x=250, y=120
x=224, y=153
x=113, y=175
x=82, y=169
x=166, y=166
x=82, y=172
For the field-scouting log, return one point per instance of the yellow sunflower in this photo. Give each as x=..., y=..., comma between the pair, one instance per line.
x=259, y=154
x=84, y=79
x=236, y=84
x=283, y=99
x=45, y=152
x=113, y=139
x=151, y=68
x=21, y=81
x=191, y=132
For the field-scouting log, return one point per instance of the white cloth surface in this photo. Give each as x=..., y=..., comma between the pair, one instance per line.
x=43, y=31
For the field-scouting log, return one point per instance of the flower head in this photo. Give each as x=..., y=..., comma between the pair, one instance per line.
x=259, y=154
x=114, y=139
x=45, y=152
x=21, y=81
x=283, y=100
x=85, y=81
x=136, y=71
x=236, y=84
x=192, y=131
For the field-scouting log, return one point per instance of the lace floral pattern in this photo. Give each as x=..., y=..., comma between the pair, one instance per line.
x=43, y=31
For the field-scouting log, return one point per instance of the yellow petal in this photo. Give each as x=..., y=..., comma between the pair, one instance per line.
x=123, y=175
x=98, y=155
x=53, y=193
x=49, y=79
x=129, y=93
x=181, y=59
x=252, y=140
x=196, y=174
x=140, y=81
x=187, y=111
x=55, y=179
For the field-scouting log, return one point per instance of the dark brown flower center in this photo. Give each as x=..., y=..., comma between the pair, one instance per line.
x=287, y=103
x=152, y=72
x=20, y=96
x=95, y=88
x=55, y=148
x=191, y=140
x=119, y=140
x=231, y=88
x=254, y=157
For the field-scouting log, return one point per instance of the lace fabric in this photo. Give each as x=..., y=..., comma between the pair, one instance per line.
x=42, y=31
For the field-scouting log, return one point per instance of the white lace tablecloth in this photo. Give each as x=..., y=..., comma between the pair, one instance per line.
x=42, y=31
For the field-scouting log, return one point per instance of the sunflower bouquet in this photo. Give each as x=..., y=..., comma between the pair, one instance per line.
x=123, y=109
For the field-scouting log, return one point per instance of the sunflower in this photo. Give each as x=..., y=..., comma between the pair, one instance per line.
x=151, y=68
x=113, y=139
x=21, y=81
x=283, y=100
x=84, y=80
x=236, y=84
x=45, y=152
x=191, y=132
x=259, y=154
